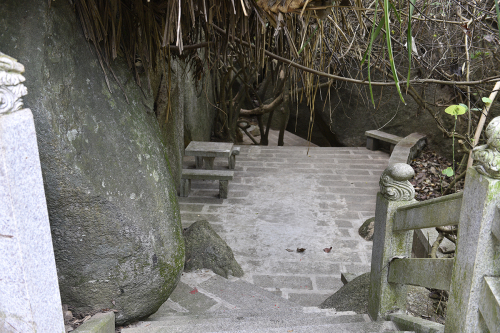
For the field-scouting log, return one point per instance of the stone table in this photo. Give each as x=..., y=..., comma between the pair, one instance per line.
x=208, y=151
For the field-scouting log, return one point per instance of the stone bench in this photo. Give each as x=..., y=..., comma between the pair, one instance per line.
x=374, y=137
x=223, y=176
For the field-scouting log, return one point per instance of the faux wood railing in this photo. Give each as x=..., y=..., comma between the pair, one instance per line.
x=472, y=277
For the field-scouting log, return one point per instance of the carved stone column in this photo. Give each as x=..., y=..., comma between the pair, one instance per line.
x=395, y=191
x=30, y=300
x=478, y=242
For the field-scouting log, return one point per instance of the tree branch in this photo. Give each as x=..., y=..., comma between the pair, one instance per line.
x=346, y=79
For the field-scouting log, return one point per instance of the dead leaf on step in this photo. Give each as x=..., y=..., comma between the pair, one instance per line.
x=289, y=250
x=327, y=249
x=194, y=291
x=300, y=249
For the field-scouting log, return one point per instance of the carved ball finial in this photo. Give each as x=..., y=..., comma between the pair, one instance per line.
x=11, y=88
x=488, y=156
x=394, y=182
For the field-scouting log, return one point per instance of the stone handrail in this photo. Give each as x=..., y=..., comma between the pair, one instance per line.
x=437, y=212
x=473, y=276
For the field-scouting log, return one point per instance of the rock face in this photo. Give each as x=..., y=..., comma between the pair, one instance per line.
x=111, y=198
x=206, y=249
x=349, y=113
x=191, y=117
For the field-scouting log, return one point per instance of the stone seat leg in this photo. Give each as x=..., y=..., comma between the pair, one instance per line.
x=209, y=162
x=199, y=162
x=223, y=188
x=371, y=143
x=185, y=187
x=232, y=161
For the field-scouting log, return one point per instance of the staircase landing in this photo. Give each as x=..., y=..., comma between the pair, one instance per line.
x=280, y=198
x=291, y=197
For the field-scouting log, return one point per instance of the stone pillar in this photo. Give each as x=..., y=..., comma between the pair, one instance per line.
x=476, y=256
x=29, y=291
x=395, y=191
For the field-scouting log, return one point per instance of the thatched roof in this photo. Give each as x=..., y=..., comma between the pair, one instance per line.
x=142, y=29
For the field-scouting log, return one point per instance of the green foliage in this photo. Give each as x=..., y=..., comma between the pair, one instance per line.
x=448, y=172
x=389, y=48
x=486, y=100
x=456, y=110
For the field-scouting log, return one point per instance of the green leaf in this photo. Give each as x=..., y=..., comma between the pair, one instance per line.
x=448, y=172
x=455, y=110
x=464, y=106
x=486, y=100
x=389, y=49
x=373, y=36
x=396, y=12
x=475, y=109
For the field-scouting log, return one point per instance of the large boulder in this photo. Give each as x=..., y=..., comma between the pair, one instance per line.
x=111, y=198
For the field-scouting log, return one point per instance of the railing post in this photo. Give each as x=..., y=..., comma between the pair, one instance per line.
x=395, y=191
x=475, y=255
x=29, y=292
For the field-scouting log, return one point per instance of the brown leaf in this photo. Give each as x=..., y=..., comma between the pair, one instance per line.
x=300, y=249
x=327, y=249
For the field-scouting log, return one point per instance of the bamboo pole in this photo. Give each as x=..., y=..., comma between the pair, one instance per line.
x=482, y=120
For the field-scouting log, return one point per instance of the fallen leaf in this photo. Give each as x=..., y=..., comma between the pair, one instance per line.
x=327, y=249
x=300, y=249
x=194, y=291
x=289, y=250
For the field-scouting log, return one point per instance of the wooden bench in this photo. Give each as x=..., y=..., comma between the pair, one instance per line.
x=373, y=139
x=223, y=176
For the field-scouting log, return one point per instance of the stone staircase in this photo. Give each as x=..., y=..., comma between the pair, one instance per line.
x=205, y=302
x=280, y=198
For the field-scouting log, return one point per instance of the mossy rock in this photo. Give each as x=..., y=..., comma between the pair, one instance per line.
x=367, y=228
x=206, y=249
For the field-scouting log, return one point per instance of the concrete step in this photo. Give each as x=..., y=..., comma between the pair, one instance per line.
x=211, y=303
x=183, y=324
x=199, y=293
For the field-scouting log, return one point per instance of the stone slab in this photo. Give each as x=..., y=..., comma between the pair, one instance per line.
x=185, y=296
x=244, y=295
x=207, y=174
x=382, y=136
x=290, y=282
x=414, y=324
x=99, y=323
x=208, y=149
x=348, y=277
x=30, y=300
